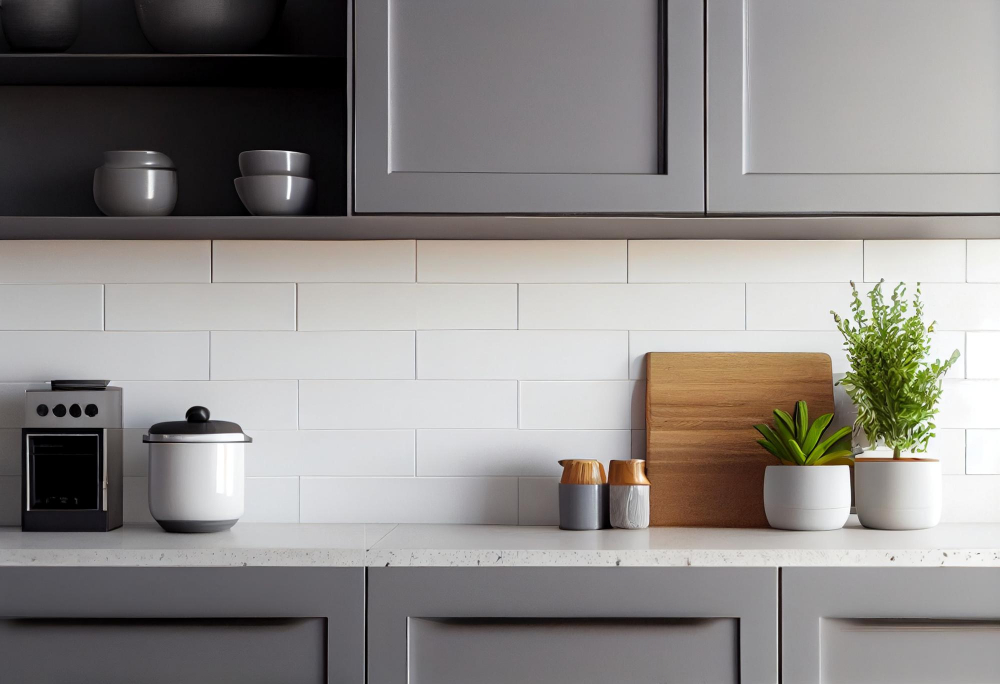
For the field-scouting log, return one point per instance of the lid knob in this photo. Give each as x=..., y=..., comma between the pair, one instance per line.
x=197, y=414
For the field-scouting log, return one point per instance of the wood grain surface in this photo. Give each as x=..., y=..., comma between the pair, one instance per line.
x=702, y=457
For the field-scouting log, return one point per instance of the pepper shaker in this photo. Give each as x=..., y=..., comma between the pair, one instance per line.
x=629, y=495
x=583, y=495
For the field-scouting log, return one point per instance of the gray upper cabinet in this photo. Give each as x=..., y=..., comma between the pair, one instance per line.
x=529, y=106
x=857, y=106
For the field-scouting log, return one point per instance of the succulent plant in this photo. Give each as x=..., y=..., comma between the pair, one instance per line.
x=794, y=441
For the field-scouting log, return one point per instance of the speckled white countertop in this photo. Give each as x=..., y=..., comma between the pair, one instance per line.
x=970, y=545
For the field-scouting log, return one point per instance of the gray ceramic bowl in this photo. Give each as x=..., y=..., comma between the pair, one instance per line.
x=206, y=25
x=40, y=25
x=274, y=163
x=136, y=159
x=277, y=195
x=135, y=192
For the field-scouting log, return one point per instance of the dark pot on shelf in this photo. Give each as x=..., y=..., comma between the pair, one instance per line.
x=211, y=26
x=40, y=25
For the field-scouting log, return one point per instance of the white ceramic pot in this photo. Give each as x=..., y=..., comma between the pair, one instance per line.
x=196, y=473
x=897, y=494
x=807, y=497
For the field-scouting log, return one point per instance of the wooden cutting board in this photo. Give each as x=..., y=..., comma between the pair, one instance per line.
x=702, y=457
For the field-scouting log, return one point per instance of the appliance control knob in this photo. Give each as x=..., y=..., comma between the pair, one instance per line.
x=42, y=410
x=75, y=411
x=91, y=410
x=59, y=410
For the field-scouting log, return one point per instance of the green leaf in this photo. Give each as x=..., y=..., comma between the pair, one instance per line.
x=836, y=458
x=797, y=454
x=823, y=446
x=782, y=418
x=815, y=432
x=775, y=441
x=774, y=450
x=785, y=435
x=801, y=421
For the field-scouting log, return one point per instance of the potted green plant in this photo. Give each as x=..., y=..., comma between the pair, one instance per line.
x=806, y=498
x=896, y=391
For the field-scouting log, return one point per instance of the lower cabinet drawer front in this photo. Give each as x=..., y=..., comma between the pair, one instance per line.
x=857, y=651
x=164, y=651
x=572, y=650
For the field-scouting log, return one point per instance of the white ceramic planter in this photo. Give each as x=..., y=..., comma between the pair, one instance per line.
x=897, y=494
x=807, y=497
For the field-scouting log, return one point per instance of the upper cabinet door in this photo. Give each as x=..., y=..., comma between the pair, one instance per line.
x=857, y=106
x=529, y=106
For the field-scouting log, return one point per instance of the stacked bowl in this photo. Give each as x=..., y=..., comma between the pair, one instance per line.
x=136, y=183
x=276, y=183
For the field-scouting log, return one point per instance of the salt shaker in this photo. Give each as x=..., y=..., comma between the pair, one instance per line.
x=629, y=495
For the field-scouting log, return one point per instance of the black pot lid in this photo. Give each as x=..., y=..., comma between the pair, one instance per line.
x=196, y=429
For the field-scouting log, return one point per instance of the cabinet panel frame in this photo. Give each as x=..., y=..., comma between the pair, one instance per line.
x=679, y=188
x=397, y=594
x=809, y=595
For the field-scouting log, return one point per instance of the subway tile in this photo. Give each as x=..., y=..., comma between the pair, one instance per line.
x=406, y=306
x=982, y=452
x=632, y=307
x=983, y=261
x=255, y=405
x=51, y=307
x=271, y=500
x=962, y=306
x=969, y=404
x=464, y=453
x=41, y=356
x=601, y=405
x=948, y=446
x=469, y=500
x=10, y=453
x=744, y=261
x=926, y=261
x=312, y=355
x=10, y=501
x=396, y=404
x=135, y=501
x=135, y=454
x=522, y=355
x=343, y=453
x=12, y=402
x=105, y=261
x=971, y=498
x=334, y=261
x=796, y=306
x=638, y=407
x=538, y=501
x=243, y=306
x=522, y=261
x=983, y=350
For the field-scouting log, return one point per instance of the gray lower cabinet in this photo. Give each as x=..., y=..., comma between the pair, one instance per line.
x=572, y=625
x=890, y=625
x=182, y=625
x=529, y=106
x=857, y=106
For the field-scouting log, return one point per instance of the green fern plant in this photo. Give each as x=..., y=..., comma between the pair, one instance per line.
x=894, y=388
x=795, y=442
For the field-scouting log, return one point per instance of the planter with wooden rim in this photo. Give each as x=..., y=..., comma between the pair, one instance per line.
x=897, y=493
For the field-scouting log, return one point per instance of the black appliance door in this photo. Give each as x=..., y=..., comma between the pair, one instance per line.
x=65, y=472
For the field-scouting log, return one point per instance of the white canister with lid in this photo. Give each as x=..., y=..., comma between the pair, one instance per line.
x=196, y=473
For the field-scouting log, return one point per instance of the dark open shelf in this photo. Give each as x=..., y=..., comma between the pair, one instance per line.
x=272, y=71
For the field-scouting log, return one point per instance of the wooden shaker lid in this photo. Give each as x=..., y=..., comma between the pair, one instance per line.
x=631, y=472
x=580, y=471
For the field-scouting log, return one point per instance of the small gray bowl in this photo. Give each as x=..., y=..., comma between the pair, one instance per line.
x=135, y=192
x=277, y=195
x=206, y=25
x=137, y=159
x=274, y=163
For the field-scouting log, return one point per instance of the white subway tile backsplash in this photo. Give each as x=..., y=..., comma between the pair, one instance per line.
x=522, y=355
x=406, y=306
x=105, y=261
x=10, y=501
x=982, y=452
x=401, y=404
x=464, y=453
x=341, y=453
x=601, y=405
x=12, y=402
x=948, y=446
x=135, y=454
x=971, y=498
x=42, y=356
x=538, y=501
x=983, y=355
x=796, y=306
x=632, y=307
x=983, y=261
x=969, y=404
x=271, y=499
x=522, y=261
x=925, y=261
x=255, y=405
x=270, y=261
x=312, y=355
x=475, y=500
x=10, y=453
x=744, y=261
x=51, y=307
x=639, y=444
x=962, y=306
x=243, y=306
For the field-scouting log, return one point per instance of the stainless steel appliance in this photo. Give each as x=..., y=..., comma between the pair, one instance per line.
x=71, y=457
